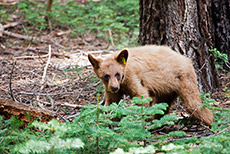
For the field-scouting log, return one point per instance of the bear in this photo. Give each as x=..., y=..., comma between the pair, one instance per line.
x=151, y=71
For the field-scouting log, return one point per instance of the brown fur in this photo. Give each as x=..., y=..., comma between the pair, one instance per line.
x=151, y=71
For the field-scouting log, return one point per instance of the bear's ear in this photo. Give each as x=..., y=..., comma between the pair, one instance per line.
x=94, y=61
x=122, y=57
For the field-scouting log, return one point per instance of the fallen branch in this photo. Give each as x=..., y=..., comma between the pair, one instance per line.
x=94, y=52
x=43, y=94
x=226, y=103
x=31, y=57
x=10, y=108
x=40, y=50
x=29, y=38
x=12, y=24
x=72, y=116
x=72, y=105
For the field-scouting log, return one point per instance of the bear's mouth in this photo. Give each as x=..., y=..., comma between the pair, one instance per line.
x=114, y=91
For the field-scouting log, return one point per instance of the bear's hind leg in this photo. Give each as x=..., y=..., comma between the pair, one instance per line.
x=190, y=95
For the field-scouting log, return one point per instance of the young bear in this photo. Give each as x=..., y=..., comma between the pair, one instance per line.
x=151, y=71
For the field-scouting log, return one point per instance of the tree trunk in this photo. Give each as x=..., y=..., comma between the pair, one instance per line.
x=221, y=16
x=186, y=26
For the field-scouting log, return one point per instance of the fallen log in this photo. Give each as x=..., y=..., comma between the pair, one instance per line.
x=9, y=108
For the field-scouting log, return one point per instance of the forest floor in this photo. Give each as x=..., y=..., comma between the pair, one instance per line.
x=68, y=83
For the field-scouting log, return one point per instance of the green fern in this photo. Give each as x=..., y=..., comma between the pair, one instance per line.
x=51, y=139
x=119, y=125
x=51, y=145
x=11, y=133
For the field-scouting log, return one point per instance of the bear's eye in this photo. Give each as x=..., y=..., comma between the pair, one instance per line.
x=106, y=77
x=118, y=76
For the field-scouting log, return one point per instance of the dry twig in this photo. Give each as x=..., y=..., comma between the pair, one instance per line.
x=111, y=37
x=44, y=74
x=31, y=57
x=10, y=84
x=45, y=68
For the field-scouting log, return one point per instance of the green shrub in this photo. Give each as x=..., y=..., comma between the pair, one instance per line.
x=220, y=58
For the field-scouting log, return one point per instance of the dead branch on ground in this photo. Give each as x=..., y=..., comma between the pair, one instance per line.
x=20, y=36
x=10, y=108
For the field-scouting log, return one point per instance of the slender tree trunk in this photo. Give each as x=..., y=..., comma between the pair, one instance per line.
x=49, y=5
x=48, y=9
x=186, y=26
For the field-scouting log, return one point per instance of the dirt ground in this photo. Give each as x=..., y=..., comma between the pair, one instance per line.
x=66, y=84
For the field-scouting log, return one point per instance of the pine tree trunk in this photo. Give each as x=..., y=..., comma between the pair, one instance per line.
x=186, y=26
x=221, y=18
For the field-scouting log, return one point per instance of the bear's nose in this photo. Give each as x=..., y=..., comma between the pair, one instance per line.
x=114, y=88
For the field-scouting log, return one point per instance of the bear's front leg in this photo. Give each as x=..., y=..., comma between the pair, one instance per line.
x=137, y=89
x=112, y=97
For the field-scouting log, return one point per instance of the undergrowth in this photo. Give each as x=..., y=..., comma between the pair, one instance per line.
x=102, y=18
x=119, y=128
x=221, y=59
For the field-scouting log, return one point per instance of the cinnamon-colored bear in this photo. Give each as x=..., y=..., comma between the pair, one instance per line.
x=151, y=71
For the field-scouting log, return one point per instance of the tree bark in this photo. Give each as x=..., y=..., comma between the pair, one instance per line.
x=186, y=26
x=221, y=18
